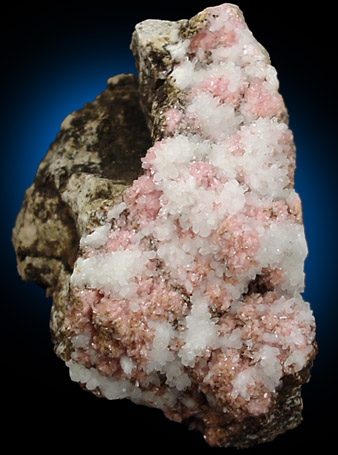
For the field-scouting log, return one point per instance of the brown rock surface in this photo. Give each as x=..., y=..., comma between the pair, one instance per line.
x=92, y=160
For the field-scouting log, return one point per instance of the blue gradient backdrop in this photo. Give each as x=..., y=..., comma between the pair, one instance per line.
x=55, y=60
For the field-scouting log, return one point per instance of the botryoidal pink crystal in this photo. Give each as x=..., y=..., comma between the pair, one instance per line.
x=187, y=295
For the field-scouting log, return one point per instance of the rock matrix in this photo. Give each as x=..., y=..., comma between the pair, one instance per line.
x=164, y=223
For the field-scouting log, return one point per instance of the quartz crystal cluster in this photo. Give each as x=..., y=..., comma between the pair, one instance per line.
x=185, y=292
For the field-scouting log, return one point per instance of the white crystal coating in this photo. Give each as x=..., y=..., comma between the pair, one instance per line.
x=111, y=272
x=96, y=238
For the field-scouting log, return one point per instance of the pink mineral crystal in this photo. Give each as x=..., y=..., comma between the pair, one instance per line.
x=188, y=295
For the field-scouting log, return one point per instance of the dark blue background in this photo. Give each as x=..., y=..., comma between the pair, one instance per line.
x=56, y=58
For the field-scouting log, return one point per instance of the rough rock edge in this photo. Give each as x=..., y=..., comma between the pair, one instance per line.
x=92, y=160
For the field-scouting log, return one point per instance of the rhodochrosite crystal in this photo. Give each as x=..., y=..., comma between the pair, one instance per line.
x=179, y=286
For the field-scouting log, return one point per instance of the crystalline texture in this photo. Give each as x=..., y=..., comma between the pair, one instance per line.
x=186, y=294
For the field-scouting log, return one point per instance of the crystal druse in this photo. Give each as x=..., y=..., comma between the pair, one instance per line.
x=164, y=223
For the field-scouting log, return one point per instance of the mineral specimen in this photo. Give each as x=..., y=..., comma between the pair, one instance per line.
x=178, y=285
